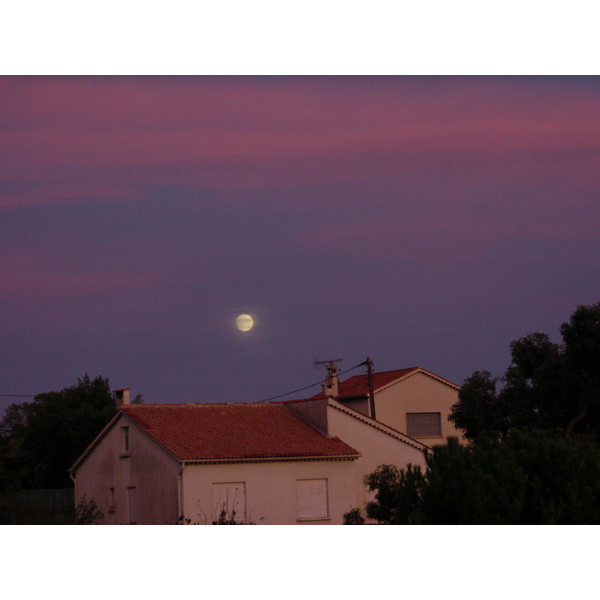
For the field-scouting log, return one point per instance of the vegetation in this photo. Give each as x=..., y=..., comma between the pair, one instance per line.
x=530, y=478
x=87, y=512
x=547, y=385
x=225, y=518
x=533, y=455
x=46, y=507
x=353, y=517
x=228, y=518
x=40, y=440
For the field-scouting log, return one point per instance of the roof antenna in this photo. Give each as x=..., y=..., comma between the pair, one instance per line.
x=317, y=363
x=330, y=387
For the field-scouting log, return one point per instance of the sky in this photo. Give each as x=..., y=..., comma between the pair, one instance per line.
x=420, y=221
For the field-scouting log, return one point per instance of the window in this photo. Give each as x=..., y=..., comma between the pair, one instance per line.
x=229, y=501
x=125, y=439
x=312, y=499
x=424, y=424
x=132, y=505
x=111, y=499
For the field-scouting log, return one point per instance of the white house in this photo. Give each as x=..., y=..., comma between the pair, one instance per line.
x=411, y=400
x=274, y=463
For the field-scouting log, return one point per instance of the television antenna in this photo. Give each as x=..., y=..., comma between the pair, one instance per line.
x=319, y=363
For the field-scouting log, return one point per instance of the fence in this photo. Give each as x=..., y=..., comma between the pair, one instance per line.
x=37, y=507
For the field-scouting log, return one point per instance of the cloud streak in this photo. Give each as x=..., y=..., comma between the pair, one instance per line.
x=230, y=134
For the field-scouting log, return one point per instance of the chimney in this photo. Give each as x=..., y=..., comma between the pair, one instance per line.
x=330, y=387
x=122, y=397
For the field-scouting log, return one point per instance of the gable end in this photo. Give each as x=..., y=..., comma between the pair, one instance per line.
x=419, y=370
x=379, y=426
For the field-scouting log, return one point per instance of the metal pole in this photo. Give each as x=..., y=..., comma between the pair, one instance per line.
x=371, y=392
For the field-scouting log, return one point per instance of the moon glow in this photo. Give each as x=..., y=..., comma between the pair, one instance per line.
x=244, y=322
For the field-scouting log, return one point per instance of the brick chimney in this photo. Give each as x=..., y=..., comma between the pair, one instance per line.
x=122, y=397
x=330, y=387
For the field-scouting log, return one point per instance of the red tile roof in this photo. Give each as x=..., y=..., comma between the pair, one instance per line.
x=358, y=385
x=233, y=431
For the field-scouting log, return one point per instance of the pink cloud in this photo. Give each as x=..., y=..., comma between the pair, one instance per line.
x=59, y=191
x=94, y=135
x=31, y=274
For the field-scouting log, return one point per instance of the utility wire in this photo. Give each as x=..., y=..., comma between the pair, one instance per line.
x=311, y=385
x=362, y=364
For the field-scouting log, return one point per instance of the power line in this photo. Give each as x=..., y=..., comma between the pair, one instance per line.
x=309, y=386
x=362, y=364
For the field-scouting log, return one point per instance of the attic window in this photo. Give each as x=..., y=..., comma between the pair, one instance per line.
x=424, y=424
x=125, y=439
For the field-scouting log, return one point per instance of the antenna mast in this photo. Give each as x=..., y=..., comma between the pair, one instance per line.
x=369, y=363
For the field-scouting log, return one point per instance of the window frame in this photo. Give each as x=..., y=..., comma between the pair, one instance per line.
x=111, y=500
x=423, y=430
x=125, y=441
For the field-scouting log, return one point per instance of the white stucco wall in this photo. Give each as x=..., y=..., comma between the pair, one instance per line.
x=146, y=467
x=376, y=447
x=418, y=393
x=270, y=489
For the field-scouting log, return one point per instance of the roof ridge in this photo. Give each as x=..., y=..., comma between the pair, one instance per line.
x=403, y=373
x=198, y=404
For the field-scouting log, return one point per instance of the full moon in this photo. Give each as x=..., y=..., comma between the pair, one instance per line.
x=244, y=322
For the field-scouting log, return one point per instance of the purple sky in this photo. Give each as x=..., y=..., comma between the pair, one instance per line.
x=418, y=221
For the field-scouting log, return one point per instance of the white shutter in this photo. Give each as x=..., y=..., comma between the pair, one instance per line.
x=312, y=498
x=424, y=424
